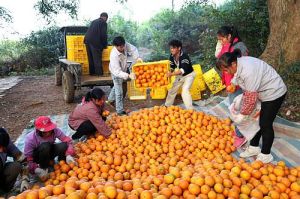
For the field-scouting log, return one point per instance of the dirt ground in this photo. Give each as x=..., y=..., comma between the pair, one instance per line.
x=34, y=96
x=37, y=95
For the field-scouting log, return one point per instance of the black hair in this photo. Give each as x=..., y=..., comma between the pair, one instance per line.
x=95, y=93
x=224, y=31
x=175, y=43
x=227, y=58
x=104, y=14
x=119, y=41
x=4, y=137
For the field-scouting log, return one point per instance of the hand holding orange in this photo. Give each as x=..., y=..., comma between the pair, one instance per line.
x=230, y=88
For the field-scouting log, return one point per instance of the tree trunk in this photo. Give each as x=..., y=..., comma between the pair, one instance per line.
x=283, y=45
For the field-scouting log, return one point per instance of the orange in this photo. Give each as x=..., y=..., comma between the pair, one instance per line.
x=245, y=175
x=218, y=188
x=58, y=189
x=33, y=194
x=91, y=196
x=256, y=194
x=43, y=193
x=169, y=178
x=177, y=190
x=110, y=191
x=295, y=186
x=245, y=189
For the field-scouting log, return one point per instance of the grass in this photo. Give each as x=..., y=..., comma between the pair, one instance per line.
x=34, y=72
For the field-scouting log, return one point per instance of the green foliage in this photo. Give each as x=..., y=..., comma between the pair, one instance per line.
x=10, y=51
x=39, y=50
x=250, y=17
x=118, y=26
x=196, y=25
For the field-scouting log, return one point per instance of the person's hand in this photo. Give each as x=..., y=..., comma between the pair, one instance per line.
x=257, y=114
x=169, y=74
x=132, y=76
x=24, y=184
x=139, y=60
x=21, y=158
x=42, y=173
x=231, y=88
x=105, y=113
x=70, y=159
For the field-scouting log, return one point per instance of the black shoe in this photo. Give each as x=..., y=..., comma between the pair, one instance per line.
x=122, y=113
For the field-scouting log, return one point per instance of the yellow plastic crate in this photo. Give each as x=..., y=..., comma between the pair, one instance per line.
x=85, y=68
x=152, y=70
x=195, y=89
x=158, y=93
x=135, y=94
x=198, y=70
x=199, y=76
x=106, y=53
x=213, y=81
x=105, y=66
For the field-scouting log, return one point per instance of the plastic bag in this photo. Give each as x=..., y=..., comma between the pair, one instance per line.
x=247, y=124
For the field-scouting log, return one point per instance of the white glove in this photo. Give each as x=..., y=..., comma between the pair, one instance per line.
x=70, y=159
x=24, y=184
x=132, y=76
x=41, y=173
x=139, y=60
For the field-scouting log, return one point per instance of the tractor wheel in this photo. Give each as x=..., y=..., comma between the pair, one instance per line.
x=58, y=75
x=68, y=86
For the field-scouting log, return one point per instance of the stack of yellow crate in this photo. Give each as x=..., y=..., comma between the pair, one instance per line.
x=76, y=51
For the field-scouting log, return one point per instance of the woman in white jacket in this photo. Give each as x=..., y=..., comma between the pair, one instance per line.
x=259, y=81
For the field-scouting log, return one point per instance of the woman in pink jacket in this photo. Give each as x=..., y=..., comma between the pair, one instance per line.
x=87, y=119
x=41, y=148
x=229, y=39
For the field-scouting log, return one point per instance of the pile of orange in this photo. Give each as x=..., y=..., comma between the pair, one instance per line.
x=151, y=76
x=166, y=153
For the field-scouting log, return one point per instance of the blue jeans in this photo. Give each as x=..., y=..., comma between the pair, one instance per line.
x=231, y=97
x=116, y=94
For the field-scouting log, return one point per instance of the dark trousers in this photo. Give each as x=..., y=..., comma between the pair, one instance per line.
x=46, y=152
x=86, y=128
x=8, y=174
x=268, y=114
x=95, y=60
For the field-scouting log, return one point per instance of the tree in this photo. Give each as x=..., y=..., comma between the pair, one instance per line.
x=5, y=16
x=49, y=9
x=283, y=45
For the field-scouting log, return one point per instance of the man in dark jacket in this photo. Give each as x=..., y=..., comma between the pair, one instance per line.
x=95, y=40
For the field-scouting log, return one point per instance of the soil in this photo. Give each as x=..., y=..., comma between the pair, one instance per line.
x=37, y=95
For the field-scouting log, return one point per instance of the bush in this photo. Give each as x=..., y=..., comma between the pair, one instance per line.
x=38, y=50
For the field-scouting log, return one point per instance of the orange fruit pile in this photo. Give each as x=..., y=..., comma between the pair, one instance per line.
x=151, y=76
x=166, y=153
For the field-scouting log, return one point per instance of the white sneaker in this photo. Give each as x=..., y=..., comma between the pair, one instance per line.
x=250, y=151
x=265, y=158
